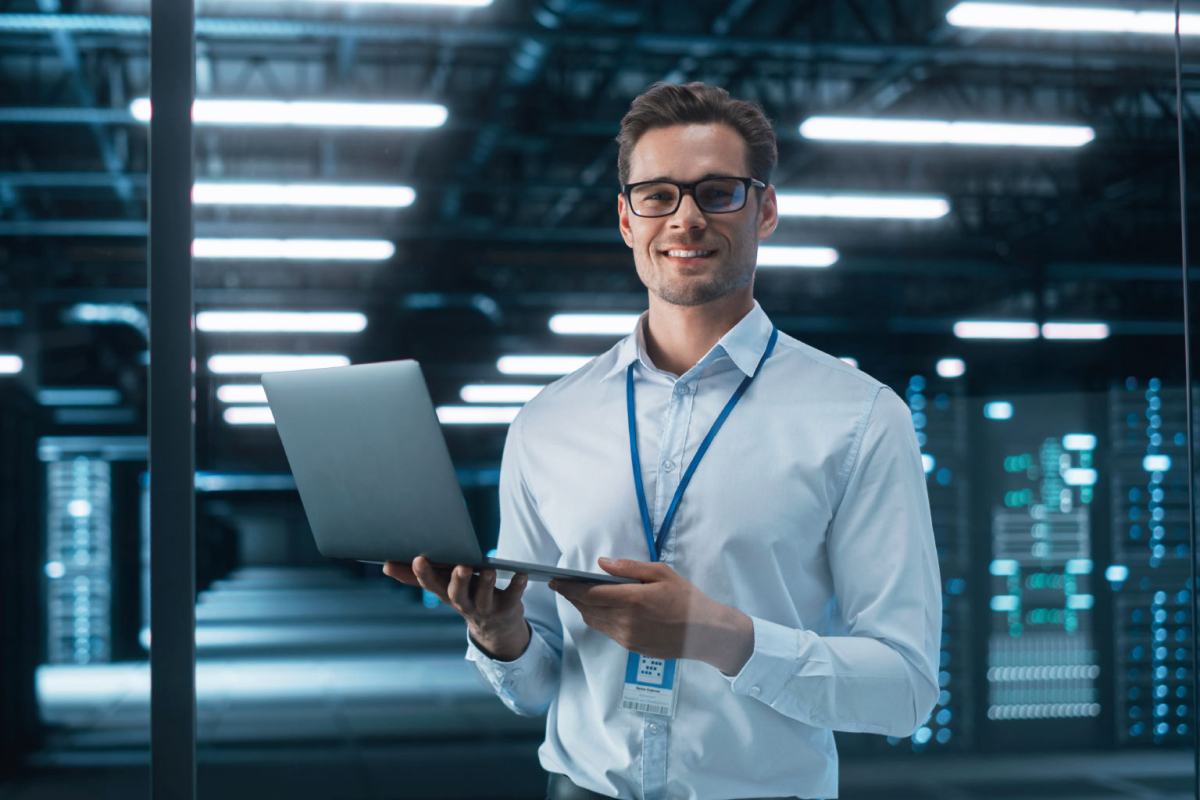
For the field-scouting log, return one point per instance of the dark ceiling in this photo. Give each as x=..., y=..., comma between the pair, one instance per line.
x=515, y=214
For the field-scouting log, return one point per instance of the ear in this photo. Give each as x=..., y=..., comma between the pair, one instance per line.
x=768, y=213
x=623, y=221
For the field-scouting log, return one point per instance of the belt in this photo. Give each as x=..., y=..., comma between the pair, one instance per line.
x=560, y=787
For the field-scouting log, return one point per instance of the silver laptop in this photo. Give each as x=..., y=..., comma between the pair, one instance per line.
x=374, y=475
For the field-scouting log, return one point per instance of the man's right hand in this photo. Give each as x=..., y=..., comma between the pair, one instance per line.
x=495, y=618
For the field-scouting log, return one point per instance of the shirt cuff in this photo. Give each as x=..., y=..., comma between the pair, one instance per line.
x=500, y=673
x=771, y=664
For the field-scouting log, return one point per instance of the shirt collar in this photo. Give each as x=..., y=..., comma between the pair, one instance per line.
x=744, y=343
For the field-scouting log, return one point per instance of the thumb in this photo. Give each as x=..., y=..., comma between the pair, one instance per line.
x=638, y=570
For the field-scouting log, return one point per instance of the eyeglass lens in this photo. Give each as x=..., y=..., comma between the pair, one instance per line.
x=715, y=195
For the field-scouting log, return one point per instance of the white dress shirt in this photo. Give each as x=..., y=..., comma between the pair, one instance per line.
x=808, y=513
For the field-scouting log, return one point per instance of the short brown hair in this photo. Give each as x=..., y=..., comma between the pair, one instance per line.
x=666, y=104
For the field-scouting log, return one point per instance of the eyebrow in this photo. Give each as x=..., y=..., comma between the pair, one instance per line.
x=705, y=176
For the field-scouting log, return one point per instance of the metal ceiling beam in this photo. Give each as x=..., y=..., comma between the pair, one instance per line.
x=68, y=53
x=1096, y=58
x=526, y=61
x=75, y=227
x=603, y=161
x=71, y=179
x=59, y=115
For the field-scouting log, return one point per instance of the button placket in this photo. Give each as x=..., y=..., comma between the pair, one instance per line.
x=675, y=437
x=666, y=481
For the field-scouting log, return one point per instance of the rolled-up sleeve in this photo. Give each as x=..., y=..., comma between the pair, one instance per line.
x=528, y=684
x=883, y=676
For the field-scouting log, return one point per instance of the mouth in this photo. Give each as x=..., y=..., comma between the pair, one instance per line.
x=683, y=256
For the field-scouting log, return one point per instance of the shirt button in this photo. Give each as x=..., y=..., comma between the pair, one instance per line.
x=668, y=465
x=655, y=727
x=754, y=690
x=682, y=388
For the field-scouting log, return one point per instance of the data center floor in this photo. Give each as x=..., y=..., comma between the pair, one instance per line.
x=313, y=685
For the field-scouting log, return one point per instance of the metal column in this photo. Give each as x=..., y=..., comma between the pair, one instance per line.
x=172, y=380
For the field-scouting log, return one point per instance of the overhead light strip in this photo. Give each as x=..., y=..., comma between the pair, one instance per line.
x=995, y=329
x=256, y=364
x=540, y=365
x=281, y=321
x=499, y=392
x=78, y=396
x=1021, y=329
x=306, y=113
x=241, y=393
x=249, y=415
x=224, y=193
x=295, y=249
x=804, y=257
x=1021, y=16
x=477, y=415
x=597, y=324
x=922, y=131
x=458, y=3
x=847, y=206
x=1075, y=330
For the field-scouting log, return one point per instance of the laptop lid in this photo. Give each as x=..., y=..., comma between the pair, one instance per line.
x=371, y=464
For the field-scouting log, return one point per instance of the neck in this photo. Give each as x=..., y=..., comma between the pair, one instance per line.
x=677, y=337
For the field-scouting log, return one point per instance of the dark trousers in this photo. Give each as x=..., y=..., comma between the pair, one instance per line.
x=560, y=787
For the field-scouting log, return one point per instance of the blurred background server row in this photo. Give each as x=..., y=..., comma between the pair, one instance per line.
x=978, y=206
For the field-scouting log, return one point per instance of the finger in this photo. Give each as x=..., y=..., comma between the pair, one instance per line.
x=593, y=595
x=508, y=598
x=485, y=592
x=401, y=571
x=430, y=580
x=460, y=590
x=593, y=619
x=645, y=571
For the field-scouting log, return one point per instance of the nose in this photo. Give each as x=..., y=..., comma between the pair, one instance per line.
x=688, y=215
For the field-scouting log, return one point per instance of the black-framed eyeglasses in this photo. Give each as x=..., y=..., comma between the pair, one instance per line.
x=720, y=195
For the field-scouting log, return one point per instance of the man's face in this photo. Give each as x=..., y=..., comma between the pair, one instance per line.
x=688, y=153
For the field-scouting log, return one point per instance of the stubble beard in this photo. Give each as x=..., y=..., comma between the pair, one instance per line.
x=696, y=292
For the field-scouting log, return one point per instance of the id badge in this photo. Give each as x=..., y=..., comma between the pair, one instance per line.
x=650, y=685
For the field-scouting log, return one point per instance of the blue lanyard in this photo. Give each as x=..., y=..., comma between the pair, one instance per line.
x=655, y=545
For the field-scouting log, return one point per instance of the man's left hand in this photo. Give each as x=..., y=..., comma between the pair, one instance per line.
x=664, y=616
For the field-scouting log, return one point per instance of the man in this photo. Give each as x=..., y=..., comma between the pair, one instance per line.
x=795, y=589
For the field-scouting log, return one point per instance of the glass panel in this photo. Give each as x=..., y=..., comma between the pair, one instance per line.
x=74, y=684
x=973, y=274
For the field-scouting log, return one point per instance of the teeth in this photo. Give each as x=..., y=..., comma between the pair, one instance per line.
x=688, y=253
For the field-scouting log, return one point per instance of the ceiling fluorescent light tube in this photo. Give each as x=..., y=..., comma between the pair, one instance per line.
x=459, y=3
x=951, y=367
x=281, y=321
x=254, y=364
x=477, y=415
x=498, y=393
x=301, y=249
x=1075, y=330
x=861, y=206
x=241, y=393
x=77, y=396
x=816, y=257
x=249, y=415
x=989, y=329
x=916, y=131
x=209, y=193
x=540, y=365
x=600, y=324
x=10, y=365
x=303, y=113
x=1023, y=16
